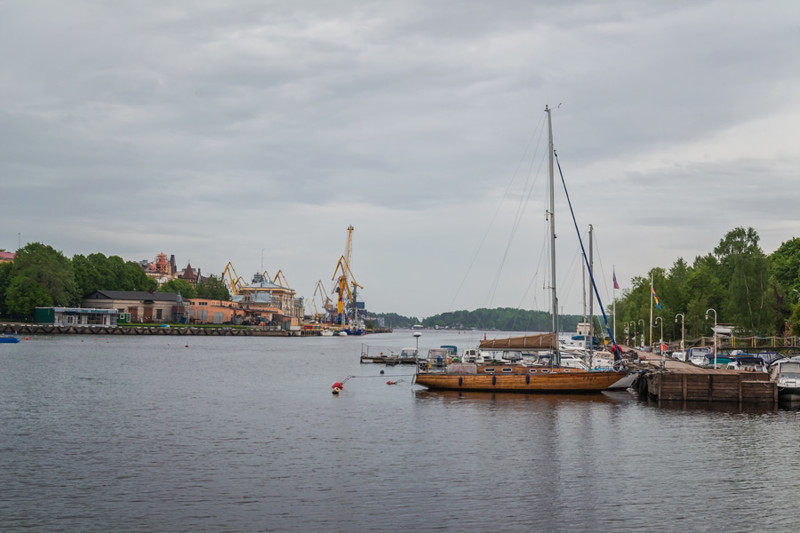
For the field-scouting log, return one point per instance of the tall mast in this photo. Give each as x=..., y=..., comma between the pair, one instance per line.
x=552, y=215
x=652, y=292
x=591, y=293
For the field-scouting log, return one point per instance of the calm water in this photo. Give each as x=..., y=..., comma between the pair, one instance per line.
x=229, y=434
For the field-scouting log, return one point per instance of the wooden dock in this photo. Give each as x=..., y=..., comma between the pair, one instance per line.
x=678, y=381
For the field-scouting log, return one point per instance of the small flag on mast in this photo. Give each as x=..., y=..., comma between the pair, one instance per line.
x=616, y=285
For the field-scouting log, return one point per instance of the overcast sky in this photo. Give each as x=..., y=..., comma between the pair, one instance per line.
x=256, y=132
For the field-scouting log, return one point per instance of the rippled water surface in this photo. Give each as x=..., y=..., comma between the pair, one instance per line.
x=243, y=434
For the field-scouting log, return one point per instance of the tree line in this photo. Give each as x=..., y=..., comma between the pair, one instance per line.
x=503, y=319
x=745, y=288
x=41, y=276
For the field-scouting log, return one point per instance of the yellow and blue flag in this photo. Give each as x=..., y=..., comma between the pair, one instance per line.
x=655, y=297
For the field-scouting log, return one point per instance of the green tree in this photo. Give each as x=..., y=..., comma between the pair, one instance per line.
x=213, y=288
x=786, y=266
x=98, y=272
x=41, y=276
x=785, y=263
x=26, y=294
x=85, y=273
x=745, y=272
x=5, y=281
x=179, y=286
x=131, y=277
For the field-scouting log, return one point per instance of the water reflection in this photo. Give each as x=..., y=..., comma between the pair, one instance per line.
x=712, y=407
x=511, y=399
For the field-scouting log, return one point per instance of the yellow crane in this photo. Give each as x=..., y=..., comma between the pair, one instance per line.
x=235, y=281
x=342, y=281
x=280, y=280
x=326, y=302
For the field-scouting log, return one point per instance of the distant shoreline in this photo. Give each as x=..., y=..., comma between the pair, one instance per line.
x=21, y=328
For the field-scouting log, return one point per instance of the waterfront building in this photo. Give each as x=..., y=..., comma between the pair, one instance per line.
x=263, y=297
x=76, y=316
x=142, y=306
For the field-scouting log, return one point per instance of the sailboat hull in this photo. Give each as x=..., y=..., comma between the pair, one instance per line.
x=559, y=380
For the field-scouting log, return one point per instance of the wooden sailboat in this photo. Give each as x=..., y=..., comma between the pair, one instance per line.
x=507, y=377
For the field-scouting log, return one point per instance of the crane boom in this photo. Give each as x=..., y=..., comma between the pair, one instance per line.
x=234, y=280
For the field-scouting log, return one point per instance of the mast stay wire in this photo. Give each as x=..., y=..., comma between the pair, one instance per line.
x=524, y=200
x=499, y=206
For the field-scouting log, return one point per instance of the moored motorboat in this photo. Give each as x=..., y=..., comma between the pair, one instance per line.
x=786, y=374
x=8, y=339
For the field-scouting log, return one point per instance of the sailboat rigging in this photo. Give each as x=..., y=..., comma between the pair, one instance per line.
x=543, y=374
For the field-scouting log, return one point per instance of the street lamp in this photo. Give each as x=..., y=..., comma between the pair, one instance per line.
x=683, y=318
x=715, y=334
x=661, y=341
x=642, y=321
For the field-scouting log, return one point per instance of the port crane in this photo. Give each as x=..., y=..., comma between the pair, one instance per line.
x=344, y=279
x=327, y=303
x=235, y=281
x=280, y=280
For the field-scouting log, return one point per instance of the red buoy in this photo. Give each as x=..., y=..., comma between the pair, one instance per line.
x=391, y=382
x=337, y=387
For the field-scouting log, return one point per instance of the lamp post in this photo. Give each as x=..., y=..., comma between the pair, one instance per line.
x=683, y=319
x=661, y=340
x=715, y=334
x=633, y=335
x=642, y=321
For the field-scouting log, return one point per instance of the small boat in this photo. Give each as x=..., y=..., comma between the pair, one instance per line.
x=698, y=355
x=786, y=373
x=356, y=327
x=747, y=363
x=441, y=374
x=407, y=356
x=8, y=339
